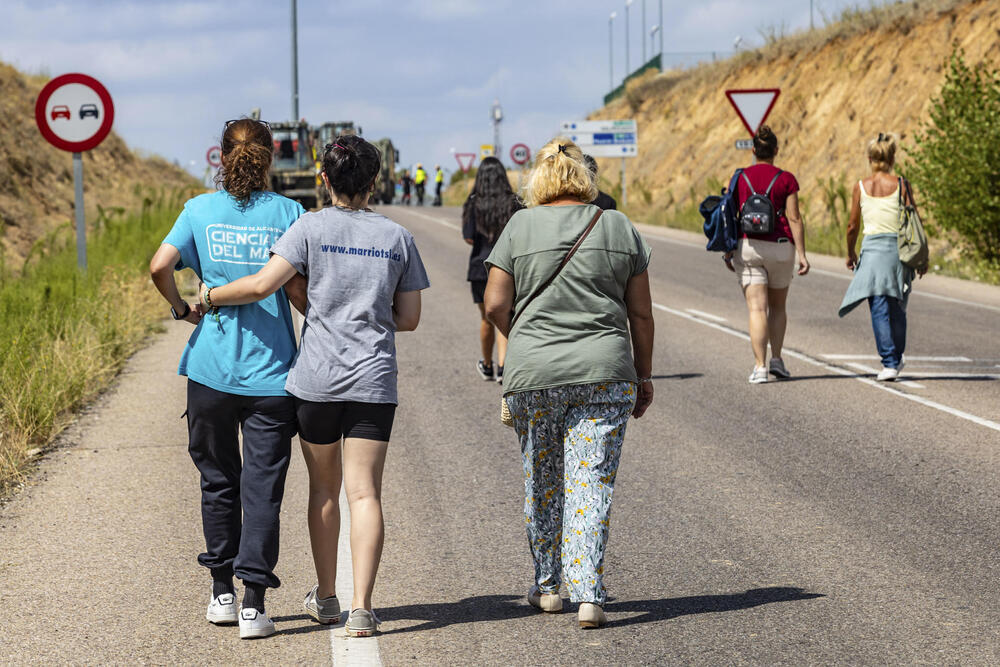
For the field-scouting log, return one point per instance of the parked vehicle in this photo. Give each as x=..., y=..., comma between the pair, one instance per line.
x=293, y=171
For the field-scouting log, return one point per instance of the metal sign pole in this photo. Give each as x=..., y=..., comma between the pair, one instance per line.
x=295, y=62
x=81, y=229
x=624, y=191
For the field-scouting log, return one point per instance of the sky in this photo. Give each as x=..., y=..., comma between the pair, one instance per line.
x=424, y=73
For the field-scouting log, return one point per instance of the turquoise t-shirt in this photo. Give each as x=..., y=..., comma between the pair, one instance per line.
x=576, y=331
x=249, y=350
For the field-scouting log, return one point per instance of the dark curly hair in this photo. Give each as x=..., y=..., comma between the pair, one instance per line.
x=351, y=164
x=491, y=202
x=247, y=150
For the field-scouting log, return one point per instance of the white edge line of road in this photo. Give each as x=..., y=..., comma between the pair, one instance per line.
x=872, y=371
x=875, y=357
x=841, y=276
x=349, y=650
x=841, y=371
x=445, y=223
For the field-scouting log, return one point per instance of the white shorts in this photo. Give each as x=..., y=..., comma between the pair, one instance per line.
x=765, y=263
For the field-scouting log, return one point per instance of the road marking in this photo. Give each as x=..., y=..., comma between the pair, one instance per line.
x=862, y=357
x=841, y=276
x=708, y=316
x=841, y=371
x=452, y=225
x=349, y=650
x=872, y=371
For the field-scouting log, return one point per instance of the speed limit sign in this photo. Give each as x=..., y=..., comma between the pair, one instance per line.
x=214, y=157
x=520, y=153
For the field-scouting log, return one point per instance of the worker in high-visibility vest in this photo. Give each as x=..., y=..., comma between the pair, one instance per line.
x=438, y=184
x=420, y=181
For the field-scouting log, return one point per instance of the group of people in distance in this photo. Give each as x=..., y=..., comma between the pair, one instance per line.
x=419, y=182
x=765, y=264
x=562, y=285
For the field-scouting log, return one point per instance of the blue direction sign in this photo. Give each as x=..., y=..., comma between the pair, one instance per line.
x=604, y=138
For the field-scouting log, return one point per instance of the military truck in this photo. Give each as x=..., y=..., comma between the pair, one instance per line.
x=324, y=134
x=293, y=171
x=385, y=184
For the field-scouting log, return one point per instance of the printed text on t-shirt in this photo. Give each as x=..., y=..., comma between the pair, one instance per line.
x=240, y=245
x=364, y=252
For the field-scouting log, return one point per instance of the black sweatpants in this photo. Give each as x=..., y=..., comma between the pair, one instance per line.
x=240, y=503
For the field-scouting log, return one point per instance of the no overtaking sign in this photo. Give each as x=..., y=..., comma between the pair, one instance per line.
x=74, y=113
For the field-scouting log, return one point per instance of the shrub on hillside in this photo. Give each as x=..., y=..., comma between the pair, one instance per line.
x=956, y=162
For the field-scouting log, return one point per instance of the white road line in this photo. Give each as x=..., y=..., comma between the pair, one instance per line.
x=349, y=650
x=437, y=220
x=840, y=371
x=862, y=357
x=872, y=371
x=708, y=316
x=843, y=276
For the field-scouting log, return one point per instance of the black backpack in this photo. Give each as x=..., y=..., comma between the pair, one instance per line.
x=757, y=215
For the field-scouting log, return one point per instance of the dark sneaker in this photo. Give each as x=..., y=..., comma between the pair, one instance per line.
x=324, y=610
x=500, y=374
x=778, y=369
x=485, y=370
x=255, y=624
x=362, y=623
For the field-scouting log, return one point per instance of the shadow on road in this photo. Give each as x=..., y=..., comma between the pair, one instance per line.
x=312, y=626
x=509, y=607
x=667, y=608
x=678, y=376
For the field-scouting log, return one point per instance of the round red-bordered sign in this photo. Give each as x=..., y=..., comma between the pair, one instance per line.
x=66, y=123
x=214, y=157
x=520, y=153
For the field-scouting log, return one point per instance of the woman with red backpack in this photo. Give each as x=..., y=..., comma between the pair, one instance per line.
x=772, y=243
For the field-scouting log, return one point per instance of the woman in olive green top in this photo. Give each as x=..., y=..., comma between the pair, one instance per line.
x=578, y=365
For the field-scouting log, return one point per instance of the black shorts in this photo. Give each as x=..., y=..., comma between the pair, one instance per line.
x=326, y=423
x=478, y=289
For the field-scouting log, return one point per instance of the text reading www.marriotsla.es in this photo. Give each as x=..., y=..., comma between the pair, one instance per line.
x=363, y=252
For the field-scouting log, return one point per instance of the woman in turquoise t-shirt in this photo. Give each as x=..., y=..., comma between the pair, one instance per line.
x=236, y=361
x=579, y=362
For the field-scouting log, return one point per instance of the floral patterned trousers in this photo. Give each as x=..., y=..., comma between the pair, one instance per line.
x=571, y=441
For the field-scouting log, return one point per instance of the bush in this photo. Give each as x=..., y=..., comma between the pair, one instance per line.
x=956, y=162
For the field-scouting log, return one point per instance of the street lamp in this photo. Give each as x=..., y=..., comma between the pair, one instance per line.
x=644, y=32
x=652, y=41
x=611, y=49
x=628, y=3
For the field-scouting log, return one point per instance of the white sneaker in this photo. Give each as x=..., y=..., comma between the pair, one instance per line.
x=887, y=374
x=254, y=624
x=758, y=376
x=222, y=609
x=778, y=369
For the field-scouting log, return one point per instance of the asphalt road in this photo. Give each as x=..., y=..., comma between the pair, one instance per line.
x=820, y=520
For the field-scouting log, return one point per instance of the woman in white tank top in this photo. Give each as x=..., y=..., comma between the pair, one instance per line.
x=879, y=277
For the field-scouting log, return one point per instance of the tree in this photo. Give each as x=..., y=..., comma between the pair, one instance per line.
x=956, y=162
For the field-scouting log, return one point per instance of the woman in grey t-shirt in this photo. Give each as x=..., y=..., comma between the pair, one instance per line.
x=364, y=280
x=578, y=365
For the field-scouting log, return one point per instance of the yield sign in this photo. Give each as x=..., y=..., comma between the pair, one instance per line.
x=465, y=160
x=753, y=105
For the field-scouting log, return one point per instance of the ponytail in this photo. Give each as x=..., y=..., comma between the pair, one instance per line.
x=247, y=150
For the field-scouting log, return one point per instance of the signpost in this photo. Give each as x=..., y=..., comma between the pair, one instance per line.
x=606, y=138
x=74, y=113
x=465, y=161
x=520, y=153
x=214, y=157
x=753, y=105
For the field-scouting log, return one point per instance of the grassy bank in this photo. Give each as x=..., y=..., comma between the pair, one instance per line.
x=64, y=334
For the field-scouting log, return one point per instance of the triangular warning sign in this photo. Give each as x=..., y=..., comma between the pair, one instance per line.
x=753, y=105
x=465, y=160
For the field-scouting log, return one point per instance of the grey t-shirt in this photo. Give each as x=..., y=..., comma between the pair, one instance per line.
x=355, y=262
x=576, y=331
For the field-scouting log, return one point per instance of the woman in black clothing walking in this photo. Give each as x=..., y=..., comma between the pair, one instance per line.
x=484, y=215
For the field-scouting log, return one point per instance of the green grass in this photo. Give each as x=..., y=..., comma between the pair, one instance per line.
x=65, y=334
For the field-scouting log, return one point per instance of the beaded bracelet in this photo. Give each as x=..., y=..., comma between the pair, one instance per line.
x=208, y=298
x=645, y=380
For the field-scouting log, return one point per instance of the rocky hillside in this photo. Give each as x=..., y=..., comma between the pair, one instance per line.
x=875, y=70
x=36, y=179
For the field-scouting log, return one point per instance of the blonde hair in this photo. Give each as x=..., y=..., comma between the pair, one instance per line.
x=882, y=152
x=559, y=172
